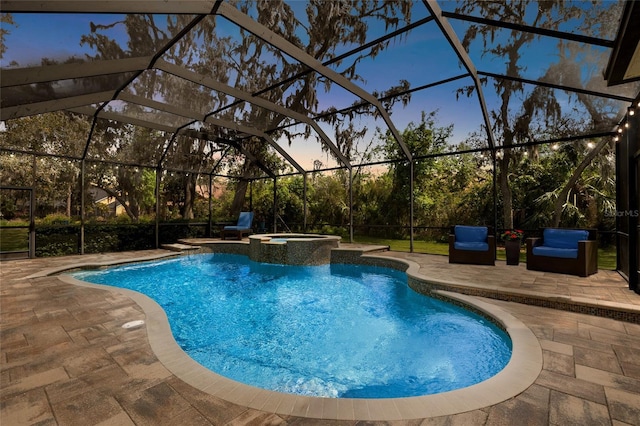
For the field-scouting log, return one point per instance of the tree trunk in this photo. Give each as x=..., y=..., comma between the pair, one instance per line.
x=189, y=196
x=564, y=192
x=505, y=190
x=239, y=197
x=599, y=122
x=69, y=193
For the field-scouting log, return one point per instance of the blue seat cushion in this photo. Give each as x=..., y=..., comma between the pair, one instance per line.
x=566, y=253
x=563, y=238
x=235, y=228
x=471, y=234
x=471, y=246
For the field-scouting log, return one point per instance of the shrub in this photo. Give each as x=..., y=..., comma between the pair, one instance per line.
x=55, y=219
x=56, y=240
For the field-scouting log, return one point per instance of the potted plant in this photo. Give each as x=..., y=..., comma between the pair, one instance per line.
x=512, y=241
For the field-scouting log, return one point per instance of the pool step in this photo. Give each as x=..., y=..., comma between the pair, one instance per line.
x=364, y=248
x=179, y=247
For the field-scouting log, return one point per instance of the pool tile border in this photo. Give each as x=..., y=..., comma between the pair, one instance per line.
x=426, y=285
x=520, y=373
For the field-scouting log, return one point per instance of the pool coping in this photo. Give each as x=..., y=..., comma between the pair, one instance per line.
x=520, y=373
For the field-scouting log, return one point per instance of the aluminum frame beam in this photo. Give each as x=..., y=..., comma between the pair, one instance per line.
x=620, y=67
x=531, y=29
x=112, y=6
x=454, y=41
x=8, y=113
x=351, y=52
x=260, y=31
x=160, y=106
x=47, y=73
x=247, y=97
x=557, y=86
x=254, y=132
x=140, y=100
x=404, y=92
x=200, y=134
x=130, y=120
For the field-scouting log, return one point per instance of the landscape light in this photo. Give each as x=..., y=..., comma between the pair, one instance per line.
x=615, y=139
x=631, y=111
x=589, y=144
x=619, y=129
x=626, y=125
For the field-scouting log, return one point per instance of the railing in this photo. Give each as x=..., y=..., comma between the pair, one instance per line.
x=64, y=239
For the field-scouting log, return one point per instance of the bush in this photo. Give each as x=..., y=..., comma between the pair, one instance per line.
x=55, y=219
x=340, y=231
x=123, y=218
x=124, y=237
x=7, y=208
x=172, y=232
x=57, y=240
x=100, y=241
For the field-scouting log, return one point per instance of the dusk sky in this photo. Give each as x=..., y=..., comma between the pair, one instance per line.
x=421, y=57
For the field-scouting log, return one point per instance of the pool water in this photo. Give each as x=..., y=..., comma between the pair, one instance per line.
x=345, y=331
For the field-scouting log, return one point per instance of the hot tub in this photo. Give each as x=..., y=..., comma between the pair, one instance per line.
x=292, y=249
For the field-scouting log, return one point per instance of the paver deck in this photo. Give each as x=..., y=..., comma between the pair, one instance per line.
x=66, y=359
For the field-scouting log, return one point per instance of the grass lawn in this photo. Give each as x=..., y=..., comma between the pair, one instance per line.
x=14, y=239
x=606, y=256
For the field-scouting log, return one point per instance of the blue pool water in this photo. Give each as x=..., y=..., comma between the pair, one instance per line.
x=345, y=331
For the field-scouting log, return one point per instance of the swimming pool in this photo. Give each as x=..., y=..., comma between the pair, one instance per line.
x=345, y=331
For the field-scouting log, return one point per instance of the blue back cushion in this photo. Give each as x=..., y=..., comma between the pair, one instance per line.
x=563, y=238
x=245, y=219
x=471, y=234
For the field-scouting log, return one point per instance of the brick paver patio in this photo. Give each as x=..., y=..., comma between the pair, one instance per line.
x=65, y=358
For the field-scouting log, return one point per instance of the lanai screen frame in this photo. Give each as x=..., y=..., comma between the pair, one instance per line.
x=200, y=10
